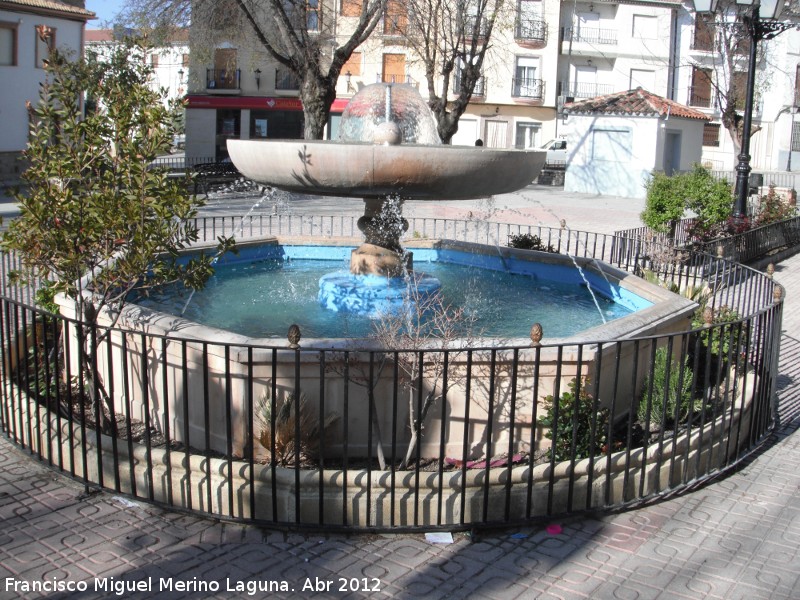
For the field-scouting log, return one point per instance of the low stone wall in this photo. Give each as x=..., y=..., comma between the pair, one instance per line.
x=382, y=499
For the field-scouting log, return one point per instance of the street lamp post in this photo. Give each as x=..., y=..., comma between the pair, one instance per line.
x=759, y=18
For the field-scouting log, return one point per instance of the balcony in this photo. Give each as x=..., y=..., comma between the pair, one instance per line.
x=530, y=32
x=590, y=35
x=379, y=78
x=478, y=93
x=223, y=81
x=471, y=24
x=584, y=90
x=528, y=89
x=700, y=97
x=285, y=80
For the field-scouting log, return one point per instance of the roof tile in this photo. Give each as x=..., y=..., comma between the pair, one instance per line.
x=52, y=5
x=638, y=102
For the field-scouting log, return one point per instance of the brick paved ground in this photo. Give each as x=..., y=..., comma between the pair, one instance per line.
x=737, y=537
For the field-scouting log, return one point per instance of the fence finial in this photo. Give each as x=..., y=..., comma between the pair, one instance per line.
x=777, y=293
x=770, y=270
x=294, y=336
x=536, y=334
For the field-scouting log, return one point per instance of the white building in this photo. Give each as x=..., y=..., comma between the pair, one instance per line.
x=701, y=70
x=609, y=47
x=170, y=60
x=28, y=30
x=616, y=141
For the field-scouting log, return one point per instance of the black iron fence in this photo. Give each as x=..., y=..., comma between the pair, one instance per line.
x=743, y=247
x=383, y=435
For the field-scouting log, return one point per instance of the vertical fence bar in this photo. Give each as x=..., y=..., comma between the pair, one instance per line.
x=529, y=507
x=229, y=429
x=145, y=375
x=187, y=456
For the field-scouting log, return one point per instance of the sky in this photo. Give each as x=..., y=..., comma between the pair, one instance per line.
x=105, y=10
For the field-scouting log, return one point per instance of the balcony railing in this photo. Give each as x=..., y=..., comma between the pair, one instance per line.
x=223, y=79
x=531, y=30
x=479, y=90
x=529, y=88
x=700, y=97
x=585, y=90
x=590, y=35
x=286, y=80
x=470, y=22
x=380, y=78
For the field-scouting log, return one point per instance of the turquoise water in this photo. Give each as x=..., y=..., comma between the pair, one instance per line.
x=262, y=297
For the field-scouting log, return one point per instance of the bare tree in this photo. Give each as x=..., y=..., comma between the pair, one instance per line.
x=303, y=36
x=728, y=35
x=450, y=39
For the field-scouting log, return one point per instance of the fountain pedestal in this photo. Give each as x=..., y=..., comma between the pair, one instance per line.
x=381, y=253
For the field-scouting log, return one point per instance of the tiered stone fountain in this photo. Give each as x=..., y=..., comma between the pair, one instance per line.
x=388, y=152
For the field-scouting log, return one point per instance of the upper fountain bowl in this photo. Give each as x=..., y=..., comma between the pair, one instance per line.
x=411, y=170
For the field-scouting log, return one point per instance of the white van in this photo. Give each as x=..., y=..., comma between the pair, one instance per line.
x=556, y=151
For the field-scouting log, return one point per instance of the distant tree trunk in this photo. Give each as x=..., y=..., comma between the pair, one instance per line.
x=317, y=95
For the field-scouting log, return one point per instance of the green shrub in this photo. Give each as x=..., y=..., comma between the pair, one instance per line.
x=527, y=241
x=577, y=413
x=669, y=197
x=676, y=389
x=773, y=209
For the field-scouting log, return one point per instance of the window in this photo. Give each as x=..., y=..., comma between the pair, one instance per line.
x=394, y=68
x=611, y=145
x=45, y=43
x=154, y=60
x=496, y=132
x=526, y=85
x=353, y=64
x=711, y=134
x=185, y=60
x=645, y=27
x=224, y=75
x=700, y=90
x=312, y=15
x=350, y=8
x=395, y=19
x=8, y=44
x=460, y=72
x=530, y=25
x=286, y=80
x=797, y=86
x=796, y=136
x=739, y=89
x=527, y=135
x=705, y=30
x=643, y=78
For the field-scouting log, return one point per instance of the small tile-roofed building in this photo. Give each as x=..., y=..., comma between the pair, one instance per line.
x=615, y=141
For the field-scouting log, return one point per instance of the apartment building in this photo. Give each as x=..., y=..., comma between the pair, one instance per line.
x=29, y=29
x=542, y=54
x=236, y=91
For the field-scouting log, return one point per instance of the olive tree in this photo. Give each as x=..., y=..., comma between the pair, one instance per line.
x=96, y=219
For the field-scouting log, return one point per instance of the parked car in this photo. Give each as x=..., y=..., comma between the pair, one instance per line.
x=556, y=151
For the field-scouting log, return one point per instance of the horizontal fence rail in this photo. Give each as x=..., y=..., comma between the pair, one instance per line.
x=386, y=435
